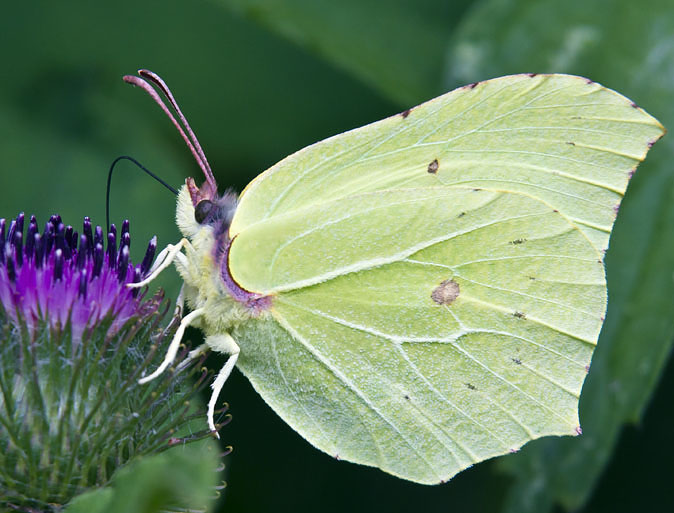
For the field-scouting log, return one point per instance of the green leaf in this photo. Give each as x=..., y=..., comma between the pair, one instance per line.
x=627, y=46
x=395, y=46
x=94, y=501
x=179, y=478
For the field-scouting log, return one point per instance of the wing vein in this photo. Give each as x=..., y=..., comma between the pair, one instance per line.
x=502, y=378
x=491, y=120
x=526, y=428
x=364, y=264
x=430, y=418
x=549, y=380
x=467, y=297
x=446, y=400
x=543, y=300
x=352, y=387
x=292, y=391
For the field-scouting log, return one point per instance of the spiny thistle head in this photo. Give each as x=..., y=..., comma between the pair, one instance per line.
x=62, y=277
x=74, y=339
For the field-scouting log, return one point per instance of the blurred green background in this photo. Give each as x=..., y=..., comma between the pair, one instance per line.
x=259, y=79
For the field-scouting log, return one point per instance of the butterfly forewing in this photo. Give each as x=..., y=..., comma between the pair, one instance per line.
x=564, y=139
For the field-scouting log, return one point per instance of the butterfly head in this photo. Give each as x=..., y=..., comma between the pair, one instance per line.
x=196, y=210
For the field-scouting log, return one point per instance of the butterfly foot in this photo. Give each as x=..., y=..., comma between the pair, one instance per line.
x=194, y=353
x=172, y=350
x=226, y=344
x=163, y=260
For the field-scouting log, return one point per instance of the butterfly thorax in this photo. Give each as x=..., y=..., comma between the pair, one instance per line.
x=206, y=258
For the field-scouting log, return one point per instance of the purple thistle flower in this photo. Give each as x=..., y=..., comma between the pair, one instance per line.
x=63, y=278
x=74, y=339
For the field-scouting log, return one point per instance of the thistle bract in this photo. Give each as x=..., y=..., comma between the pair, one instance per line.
x=73, y=341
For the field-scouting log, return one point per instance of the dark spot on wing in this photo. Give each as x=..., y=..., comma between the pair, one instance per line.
x=579, y=430
x=407, y=397
x=634, y=105
x=470, y=386
x=651, y=143
x=473, y=85
x=445, y=293
x=532, y=75
x=588, y=81
x=520, y=315
x=571, y=143
x=518, y=241
x=461, y=214
x=517, y=361
x=433, y=167
x=476, y=189
x=576, y=117
x=337, y=457
x=532, y=278
x=405, y=113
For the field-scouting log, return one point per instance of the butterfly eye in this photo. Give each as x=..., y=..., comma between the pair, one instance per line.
x=202, y=210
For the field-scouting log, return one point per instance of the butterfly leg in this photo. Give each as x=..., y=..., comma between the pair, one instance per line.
x=194, y=353
x=174, y=345
x=223, y=343
x=163, y=260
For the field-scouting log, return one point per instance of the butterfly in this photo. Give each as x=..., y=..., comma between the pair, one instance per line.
x=424, y=292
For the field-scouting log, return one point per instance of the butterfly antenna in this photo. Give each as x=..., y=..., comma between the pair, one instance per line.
x=157, y=80
x=107, y=190
x=189, y=137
